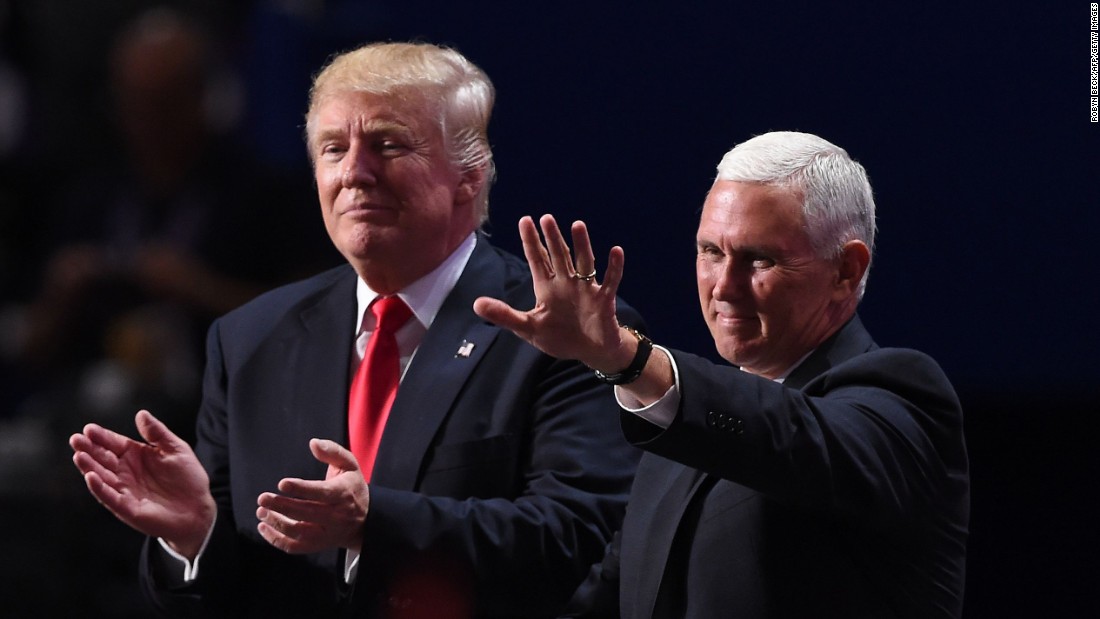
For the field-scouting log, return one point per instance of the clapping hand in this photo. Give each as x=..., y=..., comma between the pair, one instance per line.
x=313, y=515
x=157, y=487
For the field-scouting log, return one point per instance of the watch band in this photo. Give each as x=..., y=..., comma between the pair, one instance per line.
x=634, y=370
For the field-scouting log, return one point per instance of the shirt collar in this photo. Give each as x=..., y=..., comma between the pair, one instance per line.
x=782, y=377
x=424, y=296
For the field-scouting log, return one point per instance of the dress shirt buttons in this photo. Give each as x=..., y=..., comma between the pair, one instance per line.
x=725, y=422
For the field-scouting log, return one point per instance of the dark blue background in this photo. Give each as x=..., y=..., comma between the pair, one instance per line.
x=972, y=120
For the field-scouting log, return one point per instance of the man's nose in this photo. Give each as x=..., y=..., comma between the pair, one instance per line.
x=359, y=168
x=732, y=281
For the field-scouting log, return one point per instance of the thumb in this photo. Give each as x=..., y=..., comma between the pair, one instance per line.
x=333, y=454
x=156, y=433
x=499, y=313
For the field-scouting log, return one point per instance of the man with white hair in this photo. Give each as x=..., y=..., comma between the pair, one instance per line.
x=826, y=477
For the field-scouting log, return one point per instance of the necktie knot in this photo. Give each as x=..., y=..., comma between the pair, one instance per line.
x=389, y=314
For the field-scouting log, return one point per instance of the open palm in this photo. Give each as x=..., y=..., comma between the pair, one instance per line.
x=157, y=487
x=574, y=316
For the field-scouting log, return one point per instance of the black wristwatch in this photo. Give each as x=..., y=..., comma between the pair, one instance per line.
x=634, y=370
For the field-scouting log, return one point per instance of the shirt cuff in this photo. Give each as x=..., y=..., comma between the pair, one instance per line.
x=190, y=568
x=663, y=411
x=351, y=566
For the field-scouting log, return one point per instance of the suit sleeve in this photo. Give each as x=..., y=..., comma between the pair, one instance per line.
x=206, y=596
x=875, y=437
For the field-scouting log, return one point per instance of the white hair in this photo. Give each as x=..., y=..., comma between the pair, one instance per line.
x=837, y=202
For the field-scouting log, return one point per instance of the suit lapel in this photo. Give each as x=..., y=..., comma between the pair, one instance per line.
x=319, y=361
x=676, y=486
x=438, y=371
x=850, y=340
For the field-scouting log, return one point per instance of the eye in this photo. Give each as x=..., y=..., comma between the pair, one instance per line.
x=332, y=150
x=390, y=147
x=761, y=262
x=709, y=251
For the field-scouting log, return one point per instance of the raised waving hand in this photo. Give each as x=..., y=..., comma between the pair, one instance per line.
x=574, y=314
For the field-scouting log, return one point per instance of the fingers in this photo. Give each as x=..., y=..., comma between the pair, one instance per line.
x=98, y=451
x=107, y=446
x=315, y=515
x=582, y=247
x=287, y=523
x=555, y=256
x=291, y=507
x=96, y=454
x=309, y=499
x=316, y=490
x=613, y=276
x=290, y=536
x=542, y=268
x=107, y=495
x=573, y=314
x=156, y=433
x=333, y=454
x=101, y=468
x=343, y=474
x=501, y=314
x=120, y=504
x=87, y=463
x=560, y=256
x=96, y=438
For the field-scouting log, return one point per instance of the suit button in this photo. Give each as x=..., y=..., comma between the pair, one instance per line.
x=726, y=423
x=737, y=426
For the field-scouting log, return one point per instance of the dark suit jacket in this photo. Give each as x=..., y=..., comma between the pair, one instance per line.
x=843, y=492
x=499, y=480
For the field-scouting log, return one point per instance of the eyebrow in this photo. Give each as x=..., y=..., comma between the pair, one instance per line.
x=372, y=127
x=378, y=125
x=758, y=250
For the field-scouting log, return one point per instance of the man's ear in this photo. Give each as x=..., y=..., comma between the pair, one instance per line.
x=469, y=186
x=852, y=263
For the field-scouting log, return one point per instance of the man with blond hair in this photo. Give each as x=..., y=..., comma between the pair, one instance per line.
x=499, y=477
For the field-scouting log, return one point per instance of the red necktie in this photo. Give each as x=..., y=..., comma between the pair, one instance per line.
x=375, y=382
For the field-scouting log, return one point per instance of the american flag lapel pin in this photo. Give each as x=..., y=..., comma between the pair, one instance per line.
x=465, y=349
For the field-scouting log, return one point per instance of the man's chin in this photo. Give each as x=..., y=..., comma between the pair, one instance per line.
x=738, y=354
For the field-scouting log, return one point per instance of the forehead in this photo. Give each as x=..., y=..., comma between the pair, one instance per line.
x=349, y=111
x=744, y=214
